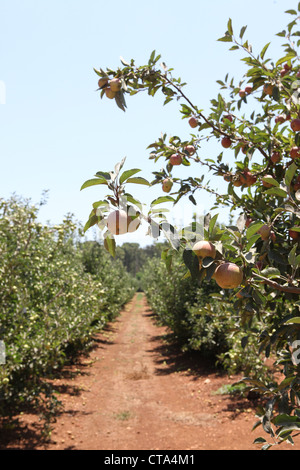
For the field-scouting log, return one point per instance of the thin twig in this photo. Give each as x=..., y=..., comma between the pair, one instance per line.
x=216, y=129
x=275, y=285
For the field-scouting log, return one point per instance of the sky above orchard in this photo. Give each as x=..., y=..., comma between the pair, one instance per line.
x=56, y=132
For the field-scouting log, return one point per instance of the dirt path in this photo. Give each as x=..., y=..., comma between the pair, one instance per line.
x=135, y=393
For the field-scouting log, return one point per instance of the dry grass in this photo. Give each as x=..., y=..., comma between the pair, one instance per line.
x=139, y=374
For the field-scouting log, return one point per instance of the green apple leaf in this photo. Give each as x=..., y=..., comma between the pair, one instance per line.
x=138, y=180
x=127, y=174
x=93, y=182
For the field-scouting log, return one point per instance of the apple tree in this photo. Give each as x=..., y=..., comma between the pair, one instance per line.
x=256, y=122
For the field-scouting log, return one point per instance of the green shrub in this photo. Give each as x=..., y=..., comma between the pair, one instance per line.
x=169, y=295
x=51, y=304
x=203, y=319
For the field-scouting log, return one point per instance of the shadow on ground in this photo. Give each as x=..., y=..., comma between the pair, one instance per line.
x=173, y=359
x=196, y=365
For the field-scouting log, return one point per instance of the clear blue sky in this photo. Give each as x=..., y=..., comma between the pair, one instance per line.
x=56, y=132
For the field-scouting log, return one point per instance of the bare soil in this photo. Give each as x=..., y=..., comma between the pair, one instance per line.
x=135, y=391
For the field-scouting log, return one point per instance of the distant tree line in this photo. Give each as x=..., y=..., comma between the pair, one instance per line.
x=132, y=255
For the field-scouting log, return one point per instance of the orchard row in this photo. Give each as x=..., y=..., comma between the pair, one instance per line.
x=57, y=291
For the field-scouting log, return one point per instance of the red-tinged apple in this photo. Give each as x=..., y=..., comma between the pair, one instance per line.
x=242, y=93
x=249, y=220
x=251, y=179
x=102, y=82
x=226, y=142
x=248, y=89
x=236, y=181
x=110, y=93
x=228, y=275
x=193, y=122
x=276, y=157
x=245, y=149
x=294, y=234
x=295, y=152
x=190, y=149
x=204, y=249
x=265, y=183
x=280, y=119
x=295, y=125
x=176, y=159
x=273, y=236
x=248, y=178
x=259, y=265
x=264, y=232
x=167, y=185
x=229, y=117
x=268, y=89
x=283, y=72
x=115, y=84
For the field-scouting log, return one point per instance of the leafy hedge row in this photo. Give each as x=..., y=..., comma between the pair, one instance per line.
x=55, y=292
x=202, y=318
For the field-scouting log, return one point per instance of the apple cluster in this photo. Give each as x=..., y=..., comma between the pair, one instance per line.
x=176, y=159
x=227, y=275
x=111, y=87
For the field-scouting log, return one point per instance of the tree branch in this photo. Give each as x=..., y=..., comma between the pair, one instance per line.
x=275, y=285
x=211, y=124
